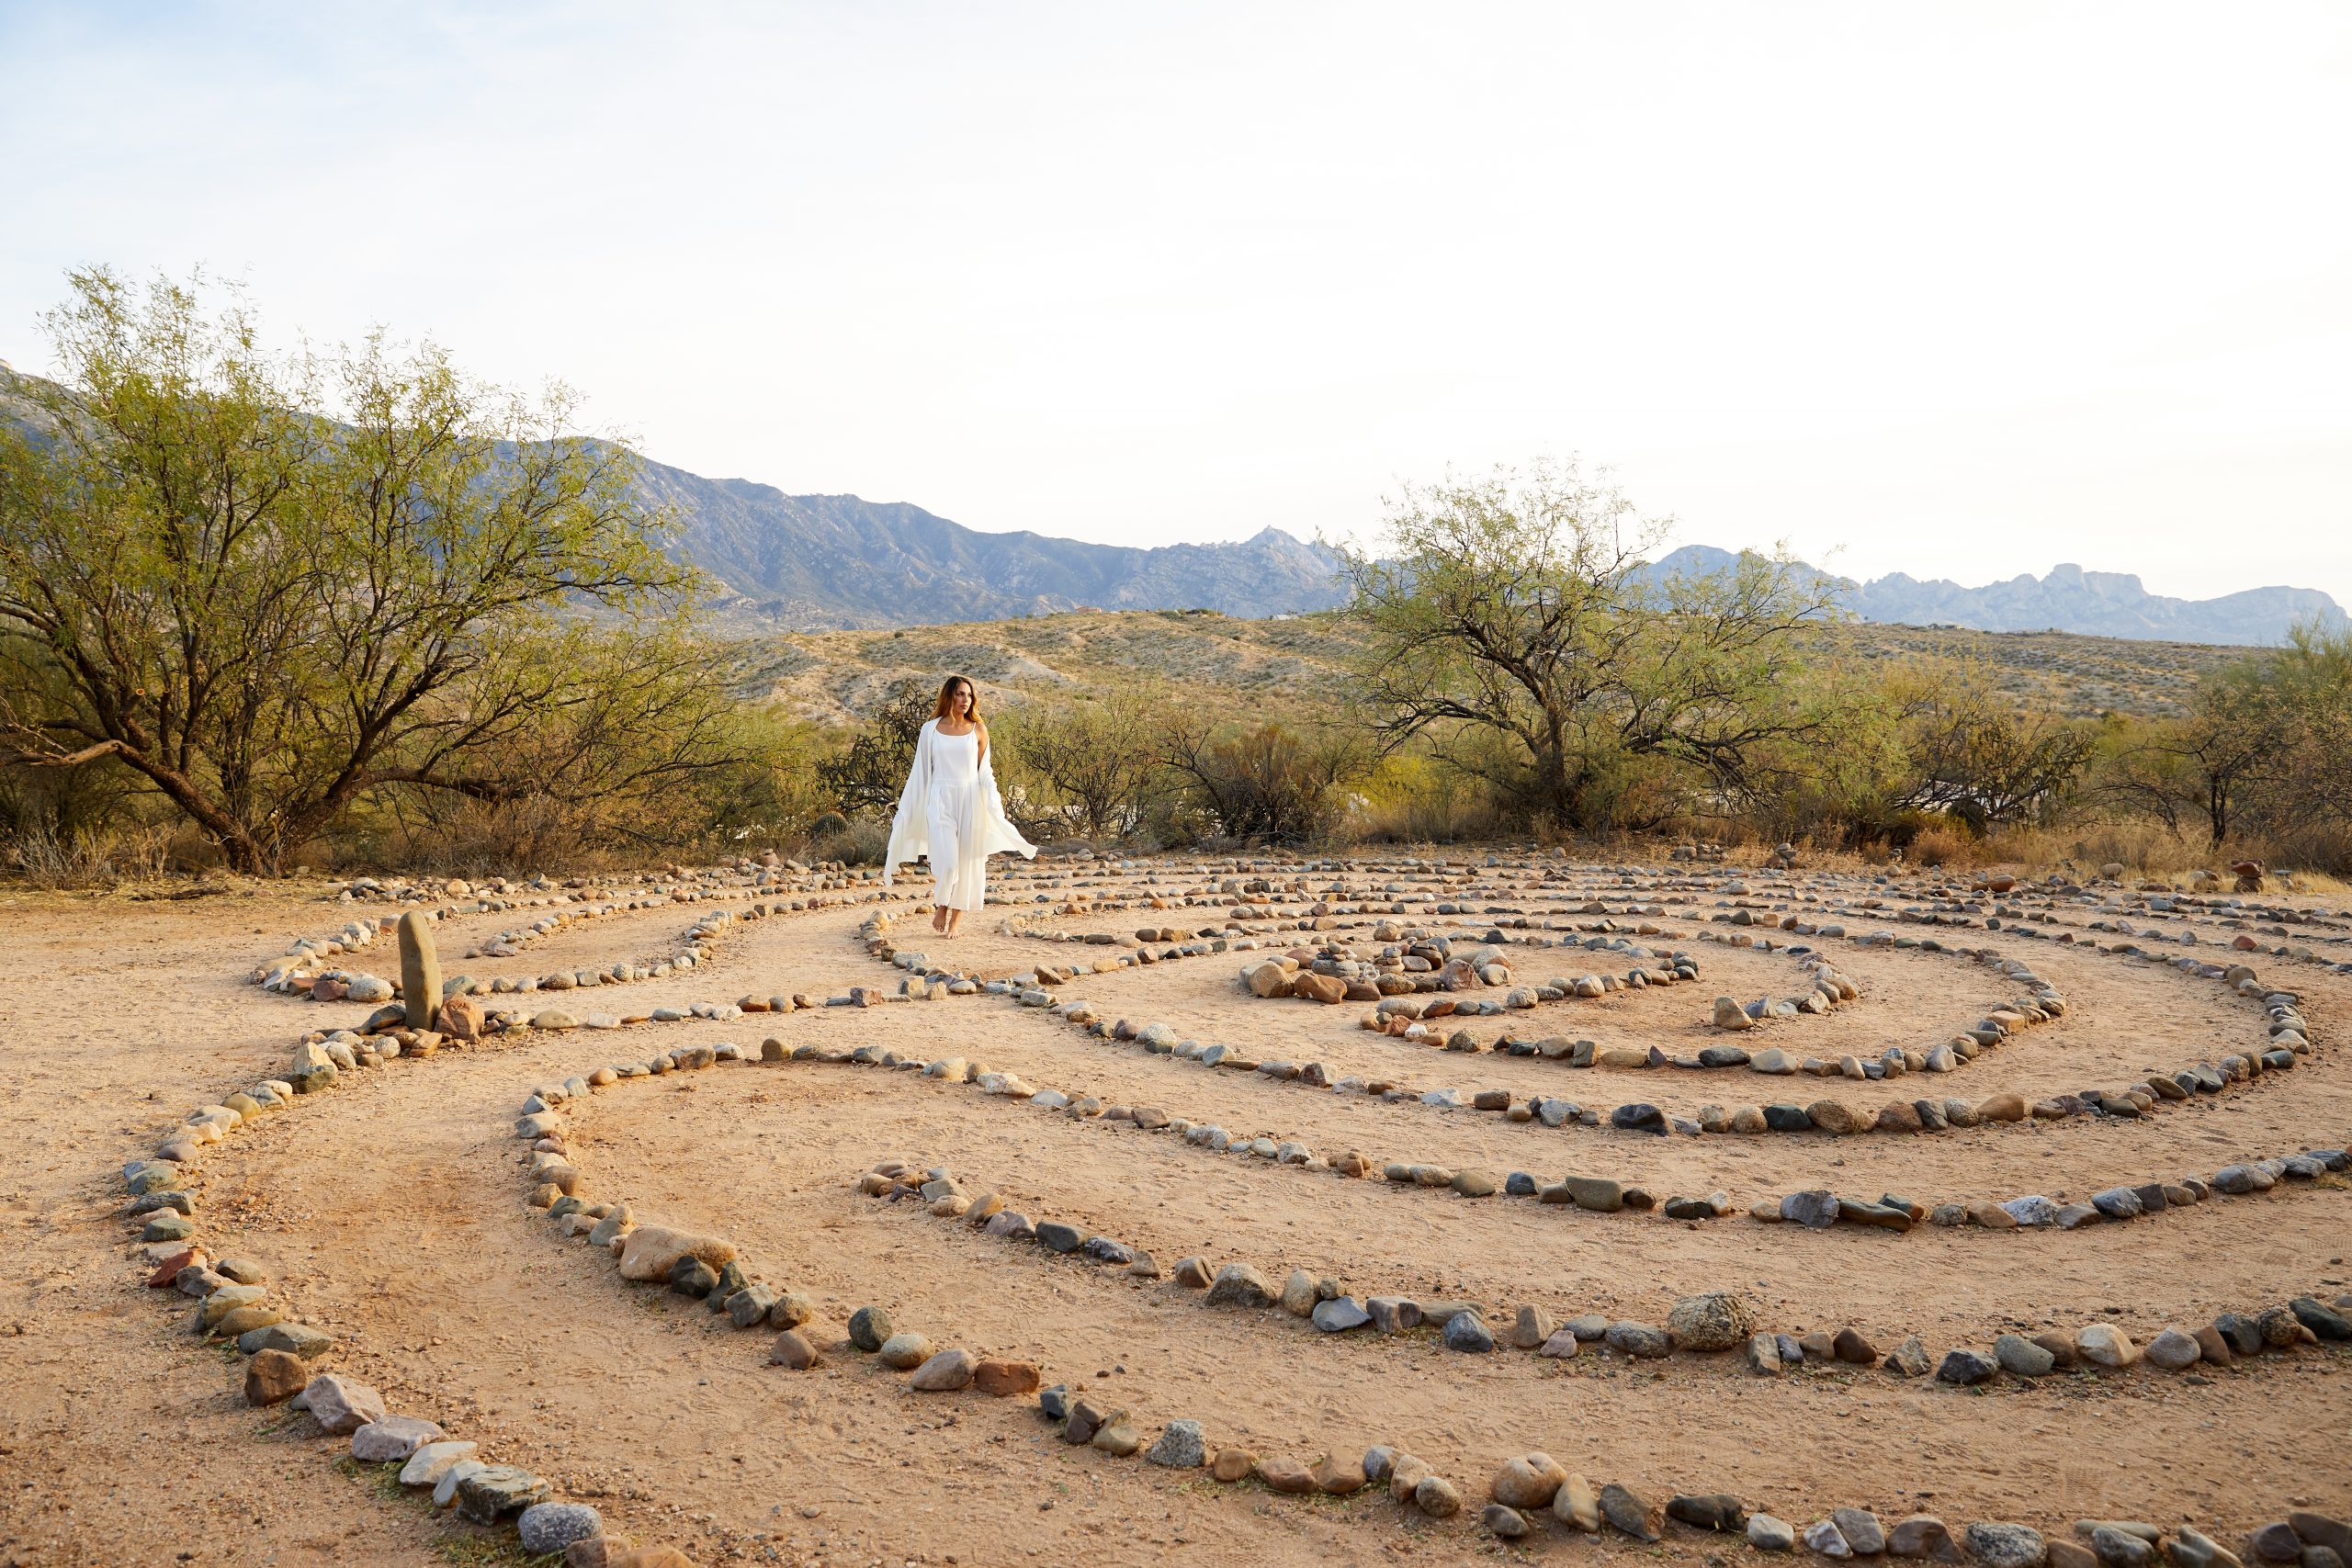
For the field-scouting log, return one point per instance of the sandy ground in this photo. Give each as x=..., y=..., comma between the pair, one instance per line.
x=392, y=1213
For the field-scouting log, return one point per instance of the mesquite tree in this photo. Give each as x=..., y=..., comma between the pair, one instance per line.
x=1519, y=621
x=268, y=585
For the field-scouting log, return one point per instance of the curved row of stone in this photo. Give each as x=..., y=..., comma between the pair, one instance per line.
x=1696, y=1325
x=1526, y=1491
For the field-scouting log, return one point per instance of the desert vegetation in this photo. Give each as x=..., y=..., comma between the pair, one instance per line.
x=350, y=607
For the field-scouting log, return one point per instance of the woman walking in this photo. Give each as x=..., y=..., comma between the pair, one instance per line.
x=950, y=811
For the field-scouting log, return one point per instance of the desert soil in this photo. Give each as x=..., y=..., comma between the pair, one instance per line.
x=390, y=1211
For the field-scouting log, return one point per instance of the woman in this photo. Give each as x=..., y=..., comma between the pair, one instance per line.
x=950, y=811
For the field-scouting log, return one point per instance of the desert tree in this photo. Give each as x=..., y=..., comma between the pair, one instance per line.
x=272, y=586
x=1526, y=607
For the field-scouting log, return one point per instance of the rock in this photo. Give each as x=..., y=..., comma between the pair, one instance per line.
x=1628, y=1512
x=1337, y=1477
x=1762, y=1354
x=868, y=1328
x=1861, y=1529
x=552, y=1527
x=339, y=1405
x=2189, y=1549
x=1729, y=1014
x=392, y=1437
x=429, y=1465
x=649, y=1252
x=945, y=1372
x=1766, y=1533
x=1823, y=1536
x=274, y=1375
x=496, y=1491
x=1966, y=1368
x=1338, y=1315
x=1298, y=1297
x=903, y=1351
x=2022, y=1357
x=1467, y=1331
x=2104, y=1345
x=2276, y=1542
x=1908, y=1359
x=1505, y=1523
x=2174, y=1350
x=1059, y=1235
x=1717, y=1321
x=1921, y=1534
x=1638, y=1339
x=1576, y=1505
x=1532, y=1328
x=1436, y=1497
x=2004, y=1546
x=1284, y=1475
x=2320, y=1529
x=1179, y=1447
x=793, y=1351
x=444, y=1491
x=1815, y=1209
x=1708, y=1511
x=1530, y=1481
x=1003, y=1379
x=1238, y=1284
x=2112, y=1548
x=1233, y=1464
x=2324, y=1323
x=1849, y=1346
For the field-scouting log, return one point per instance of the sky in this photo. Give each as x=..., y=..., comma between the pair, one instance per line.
x=1962, y=290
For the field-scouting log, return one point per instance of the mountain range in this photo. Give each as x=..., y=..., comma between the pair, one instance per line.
x=823, y=562
x=2068, y=599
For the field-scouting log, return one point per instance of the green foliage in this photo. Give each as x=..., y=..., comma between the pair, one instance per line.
x=1522, y=609
x=1264, y=781
x=869, y=776
x=278, y=589
x=1091, y=768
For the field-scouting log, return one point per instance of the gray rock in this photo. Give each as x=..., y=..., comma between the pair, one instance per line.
x=1766, y=1533
x=2021, y=1357
x=1338, y=1316
x=1179, y=1447
x=1861, y=1529
x=1637, y=1340
x=496, y=1491
x=868, y=1328
x=551, y=1527
x=2004, y=1546
x=392, y=1437
x=1823, y=1536
x=1966, y=1367
x=1815, y=1209
x=1467, y=1331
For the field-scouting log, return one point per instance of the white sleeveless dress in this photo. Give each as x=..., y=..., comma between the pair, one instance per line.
x=951, y=813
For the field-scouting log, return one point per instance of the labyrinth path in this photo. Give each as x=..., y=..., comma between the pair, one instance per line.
x=1279, y=1210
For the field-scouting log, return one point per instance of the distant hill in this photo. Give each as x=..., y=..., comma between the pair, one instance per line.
x=817, y=561
x=2093, y=603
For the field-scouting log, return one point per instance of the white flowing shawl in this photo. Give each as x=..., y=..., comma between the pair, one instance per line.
x=983, y=830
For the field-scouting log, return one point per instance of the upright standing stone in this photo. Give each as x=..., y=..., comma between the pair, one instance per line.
x=420, y=970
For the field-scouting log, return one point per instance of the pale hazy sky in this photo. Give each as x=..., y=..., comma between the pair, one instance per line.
x=1957, y=289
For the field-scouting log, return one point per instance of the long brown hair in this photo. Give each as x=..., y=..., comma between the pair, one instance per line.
x=947, y=690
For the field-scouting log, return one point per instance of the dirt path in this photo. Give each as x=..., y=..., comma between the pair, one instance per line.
x=391, y=1212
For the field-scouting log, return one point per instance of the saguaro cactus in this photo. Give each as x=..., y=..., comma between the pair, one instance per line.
x=420, y=969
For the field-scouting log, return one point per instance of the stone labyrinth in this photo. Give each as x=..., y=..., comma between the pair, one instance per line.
x=1347, y=1207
